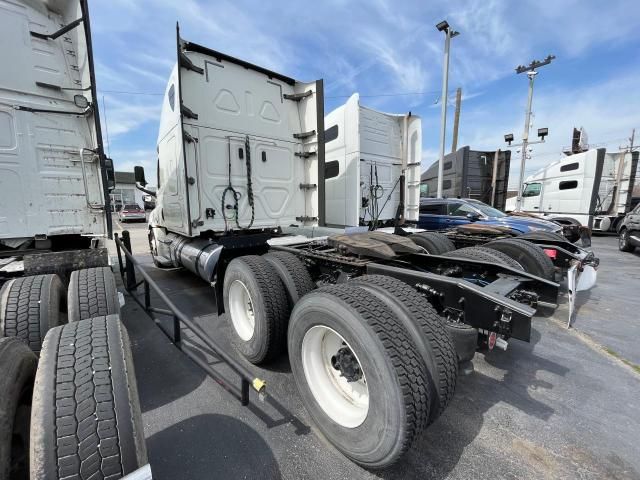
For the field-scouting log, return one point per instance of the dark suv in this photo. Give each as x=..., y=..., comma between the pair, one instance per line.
x=442, y=213
x=629, y=231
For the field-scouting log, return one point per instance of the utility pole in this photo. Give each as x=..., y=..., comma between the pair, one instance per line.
x=449, y=34
x=456, y=120
x=542, y=132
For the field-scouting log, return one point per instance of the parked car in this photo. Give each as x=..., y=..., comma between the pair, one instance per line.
x=629, y=231
x=443, y=213
x=131, y=211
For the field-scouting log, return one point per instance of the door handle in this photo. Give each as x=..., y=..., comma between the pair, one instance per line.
x=535, y=207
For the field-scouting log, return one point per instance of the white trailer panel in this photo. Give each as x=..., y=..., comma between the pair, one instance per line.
x=43, y=190
x=366, y=152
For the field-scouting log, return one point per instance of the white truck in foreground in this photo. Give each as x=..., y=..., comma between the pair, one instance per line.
x=374, y=327
x=68, y=401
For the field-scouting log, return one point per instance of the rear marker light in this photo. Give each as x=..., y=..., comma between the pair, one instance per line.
x=492, y=340
x=551, y=253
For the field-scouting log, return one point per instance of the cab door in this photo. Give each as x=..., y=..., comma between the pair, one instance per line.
x=531, y=197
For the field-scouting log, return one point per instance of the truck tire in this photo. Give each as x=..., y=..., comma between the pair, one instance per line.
x=623, y=241
x=30, y=306
x=17, y=372
x=293, y=273
x=485, y=255
x=256, y=303
x=530, y=256
x=85, y=420
x=427, y=331
x=433, y=242
x=359, y=374
x=92, y=293
x=465, y=339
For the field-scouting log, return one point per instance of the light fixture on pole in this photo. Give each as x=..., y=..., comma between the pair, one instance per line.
x=531, y=72
x=449, y=34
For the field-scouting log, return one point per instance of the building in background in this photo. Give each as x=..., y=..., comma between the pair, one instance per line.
x=126, y=191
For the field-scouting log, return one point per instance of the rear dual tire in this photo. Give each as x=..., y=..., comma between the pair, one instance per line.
x=433, y=242
x=381, y=368
x=30, y=306
x=92, y=293
x=255, y=299
x=530, y=256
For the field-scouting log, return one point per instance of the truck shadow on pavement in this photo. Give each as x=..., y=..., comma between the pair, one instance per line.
x=211, y=446
x=513, y=374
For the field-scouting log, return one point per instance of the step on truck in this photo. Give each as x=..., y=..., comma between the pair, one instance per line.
x=376, y=330
x=68, y=402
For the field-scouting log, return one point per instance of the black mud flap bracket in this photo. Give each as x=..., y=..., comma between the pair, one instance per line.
x=476, y=306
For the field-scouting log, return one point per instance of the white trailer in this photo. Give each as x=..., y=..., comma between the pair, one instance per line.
x=372, y=166
x=591, y=188
x=58, y=296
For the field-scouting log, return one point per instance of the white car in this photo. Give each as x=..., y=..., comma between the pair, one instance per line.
x=131, y=212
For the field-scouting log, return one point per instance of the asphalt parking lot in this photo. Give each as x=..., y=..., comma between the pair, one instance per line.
x=558, y=407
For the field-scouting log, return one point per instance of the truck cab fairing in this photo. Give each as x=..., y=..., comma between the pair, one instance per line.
x=366, y=152
x=231, y=130
x=52, y=166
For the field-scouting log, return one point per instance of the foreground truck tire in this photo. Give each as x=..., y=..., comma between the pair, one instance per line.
x=30, y=306
x=530, y=256
x=256, y=302
x=359, y=373
x=92, y=293
x=427, y=331
x=17, y=373
x=434, y=243
x=85, y=420
x=485, y=255
x=293, y=273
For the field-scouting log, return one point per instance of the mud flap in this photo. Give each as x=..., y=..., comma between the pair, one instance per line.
x=572, y=281
x=587, y=278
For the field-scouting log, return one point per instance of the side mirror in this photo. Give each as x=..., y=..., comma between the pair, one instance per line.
x=80, y=101
x=139, y=174
x=474, y=217
x=110, y=174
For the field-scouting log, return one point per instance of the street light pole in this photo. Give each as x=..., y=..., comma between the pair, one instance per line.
x=531, y=73
x=525, y=138
x=449, y=34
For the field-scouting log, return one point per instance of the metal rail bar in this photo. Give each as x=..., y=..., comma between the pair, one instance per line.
x=127, y=272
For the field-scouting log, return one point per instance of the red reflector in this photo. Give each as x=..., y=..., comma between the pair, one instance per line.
x=551, y=253
x=492, y=340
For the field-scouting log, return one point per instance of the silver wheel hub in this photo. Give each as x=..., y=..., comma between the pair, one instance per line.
x=335, y=376
x=241, y=310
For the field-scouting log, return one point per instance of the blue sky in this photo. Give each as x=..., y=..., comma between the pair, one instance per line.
x=382, y=47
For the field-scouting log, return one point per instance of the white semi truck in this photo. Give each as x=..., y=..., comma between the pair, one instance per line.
x=592, y=188
x=372, y=166
x=375, y=329
x=68, y=401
